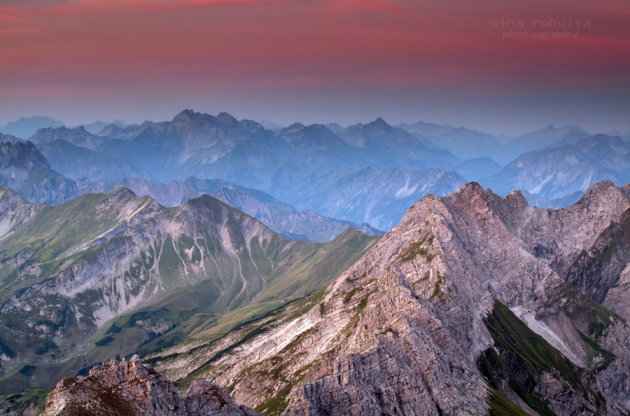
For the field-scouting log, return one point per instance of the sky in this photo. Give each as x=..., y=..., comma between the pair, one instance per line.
x=503, y=66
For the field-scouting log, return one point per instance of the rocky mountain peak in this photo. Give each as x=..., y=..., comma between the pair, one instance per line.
x=471, y=188
x=319, y=129
x=601, y=196
x=9, y=138
x=293, y=128
x=133, y=253
x=379, y=124
x=189, y=126
x=25, y=127
x=604, y=146
x=471, y=196
x=516, y=198
x=24, y=169
x=550, y=127
x=122, y=195
x=190, y=117
x=227, y=118
x=51, y=133
x=22, y=155
x=204, y=201
x=132, y=388
x=185, y=116
x=111, y=130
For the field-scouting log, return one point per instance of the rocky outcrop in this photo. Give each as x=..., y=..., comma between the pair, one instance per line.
x=130, y=388
x=404, y=329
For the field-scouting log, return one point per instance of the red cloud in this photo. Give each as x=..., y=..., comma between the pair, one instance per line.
x=356, y=5
x=70, y=7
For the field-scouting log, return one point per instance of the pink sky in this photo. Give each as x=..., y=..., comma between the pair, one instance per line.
x=341, y=60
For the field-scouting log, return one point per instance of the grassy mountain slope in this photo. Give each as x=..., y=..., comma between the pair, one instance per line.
x=158, y=273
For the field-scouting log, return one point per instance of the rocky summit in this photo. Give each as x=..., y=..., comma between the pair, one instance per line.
x=473, y=304
x=130, y=388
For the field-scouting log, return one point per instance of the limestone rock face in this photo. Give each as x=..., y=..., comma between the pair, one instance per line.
x=131, y=388
x=408, y=328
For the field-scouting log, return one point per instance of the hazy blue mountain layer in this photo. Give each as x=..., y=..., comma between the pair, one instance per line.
x=565, y=171
x=25, y=127
x=25, y=169
x=353, y=173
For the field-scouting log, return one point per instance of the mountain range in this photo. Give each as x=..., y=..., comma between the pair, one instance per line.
x=462, y=142
x=567, y=170
x=471, y=144
x=481, y=303
x=115, y=273
x=283, y=160
x=362, y=174
x=227, y=254
x=25, y=169
x=283, y=218
x=25, y=127
x=294, y=163
x=473, y=304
